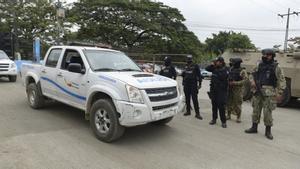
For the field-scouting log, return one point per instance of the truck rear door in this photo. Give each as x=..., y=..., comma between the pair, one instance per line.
x=49, y=72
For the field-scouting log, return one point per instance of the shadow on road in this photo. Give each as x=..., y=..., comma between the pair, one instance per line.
x=294, y=104
x=144, y=133
x=4, y=80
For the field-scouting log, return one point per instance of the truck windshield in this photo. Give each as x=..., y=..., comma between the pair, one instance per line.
x=110, y=61
x=3, y=55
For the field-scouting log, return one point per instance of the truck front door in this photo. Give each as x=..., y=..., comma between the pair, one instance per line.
x=73, y=85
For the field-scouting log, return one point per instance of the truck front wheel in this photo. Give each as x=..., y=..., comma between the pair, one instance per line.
x=104, y=121
x=12, y=78
x=35, y=96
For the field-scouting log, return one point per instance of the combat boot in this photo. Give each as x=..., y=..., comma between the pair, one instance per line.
x=198, y=116
x=187, y=113
x=268, y=133
x=253, y=129
x=213, y=122
x=238, y=119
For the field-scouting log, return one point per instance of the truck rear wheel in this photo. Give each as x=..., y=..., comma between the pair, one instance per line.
x=35, y=96
x=12, y=78
x=104, y=121
x=163, y=121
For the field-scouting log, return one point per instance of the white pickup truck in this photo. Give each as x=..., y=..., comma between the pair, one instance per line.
x=106, y=84
x=7, y=67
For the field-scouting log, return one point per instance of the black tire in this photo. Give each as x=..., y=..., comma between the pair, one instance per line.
x=163, y=121
x=286, y=97
x=34, y=95
x=12, y=78
x=101, y=112
x=247, y=94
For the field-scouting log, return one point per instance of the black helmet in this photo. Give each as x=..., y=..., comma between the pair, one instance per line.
x=167, y=60
x=235, y=60
x=220, y=59
x=189, y=58
x=268, y=52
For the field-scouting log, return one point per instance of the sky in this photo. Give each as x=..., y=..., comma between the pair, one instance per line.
x=256, y=18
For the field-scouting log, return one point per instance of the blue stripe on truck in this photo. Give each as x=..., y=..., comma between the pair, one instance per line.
x=63, y=89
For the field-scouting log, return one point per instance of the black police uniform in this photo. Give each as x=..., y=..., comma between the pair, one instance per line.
x=169, y=71
x=191, y=77
x=218, y=91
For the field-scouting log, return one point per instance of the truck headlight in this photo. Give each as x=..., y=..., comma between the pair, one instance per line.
x=13, y=65
x=134, y=94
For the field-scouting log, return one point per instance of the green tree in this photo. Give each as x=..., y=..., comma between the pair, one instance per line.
x=27, y=20
x=135, y=26
x=227, y=40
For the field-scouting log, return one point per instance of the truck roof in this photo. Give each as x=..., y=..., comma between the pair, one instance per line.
x=85, y=48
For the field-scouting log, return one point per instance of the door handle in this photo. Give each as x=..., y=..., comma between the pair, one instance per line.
x=59, y=74
x=44, y=71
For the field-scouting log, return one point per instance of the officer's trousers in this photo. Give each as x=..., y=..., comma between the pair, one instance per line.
x=191, y=91
x=218, y=106
x=267, y=105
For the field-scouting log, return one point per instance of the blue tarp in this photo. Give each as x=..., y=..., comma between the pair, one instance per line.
x=20, y=62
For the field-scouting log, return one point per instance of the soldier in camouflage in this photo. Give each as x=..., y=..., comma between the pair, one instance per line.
x=268, y=83
x=237, y=78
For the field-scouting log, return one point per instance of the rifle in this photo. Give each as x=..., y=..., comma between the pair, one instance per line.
x=257, y=82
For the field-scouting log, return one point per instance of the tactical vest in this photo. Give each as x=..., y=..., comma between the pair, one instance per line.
x=266, y=74
x=166, y=71
x=190, y=74
x=235, y=74
x=219, y=79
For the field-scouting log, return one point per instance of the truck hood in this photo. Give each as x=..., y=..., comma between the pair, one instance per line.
x=6, y=61
x=139, y=80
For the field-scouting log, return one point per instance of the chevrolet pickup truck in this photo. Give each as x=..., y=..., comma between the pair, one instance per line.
x=7, y=67
x=106, y=84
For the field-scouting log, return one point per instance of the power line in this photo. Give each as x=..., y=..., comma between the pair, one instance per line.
x=240, y=28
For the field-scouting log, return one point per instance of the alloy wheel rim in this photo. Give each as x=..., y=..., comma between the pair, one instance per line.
x=32, y=95
x=102, y=121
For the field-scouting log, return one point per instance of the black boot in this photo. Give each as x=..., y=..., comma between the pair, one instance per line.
x=187, y=113
x=212, y=122
x=198, y=116
x=253, y=129
x=268, y=133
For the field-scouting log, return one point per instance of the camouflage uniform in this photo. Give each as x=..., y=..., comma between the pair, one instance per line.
x=268, y=82
x=266, y=99
x=235, y=96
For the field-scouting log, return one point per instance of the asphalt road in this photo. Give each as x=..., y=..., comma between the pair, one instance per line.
x=59, y=137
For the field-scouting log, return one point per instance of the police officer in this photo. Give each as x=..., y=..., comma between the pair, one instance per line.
x=192, y=80
x=168, y=70
x=268, y=84
x=237, y=78
x=218, y=89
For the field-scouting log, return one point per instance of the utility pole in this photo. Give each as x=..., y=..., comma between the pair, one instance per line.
x=60, y=15
x=287, y=26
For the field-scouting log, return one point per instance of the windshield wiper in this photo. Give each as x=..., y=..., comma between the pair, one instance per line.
x=128, y=69
x=105, y=69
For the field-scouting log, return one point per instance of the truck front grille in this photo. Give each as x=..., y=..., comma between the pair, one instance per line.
x=163, y=107
x=161, y=94
x=4, y=66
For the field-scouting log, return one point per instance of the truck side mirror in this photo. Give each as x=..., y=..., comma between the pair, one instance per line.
x=76, y=68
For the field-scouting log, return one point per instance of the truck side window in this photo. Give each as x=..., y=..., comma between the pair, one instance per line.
x=53, y=57
x=71, y=56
